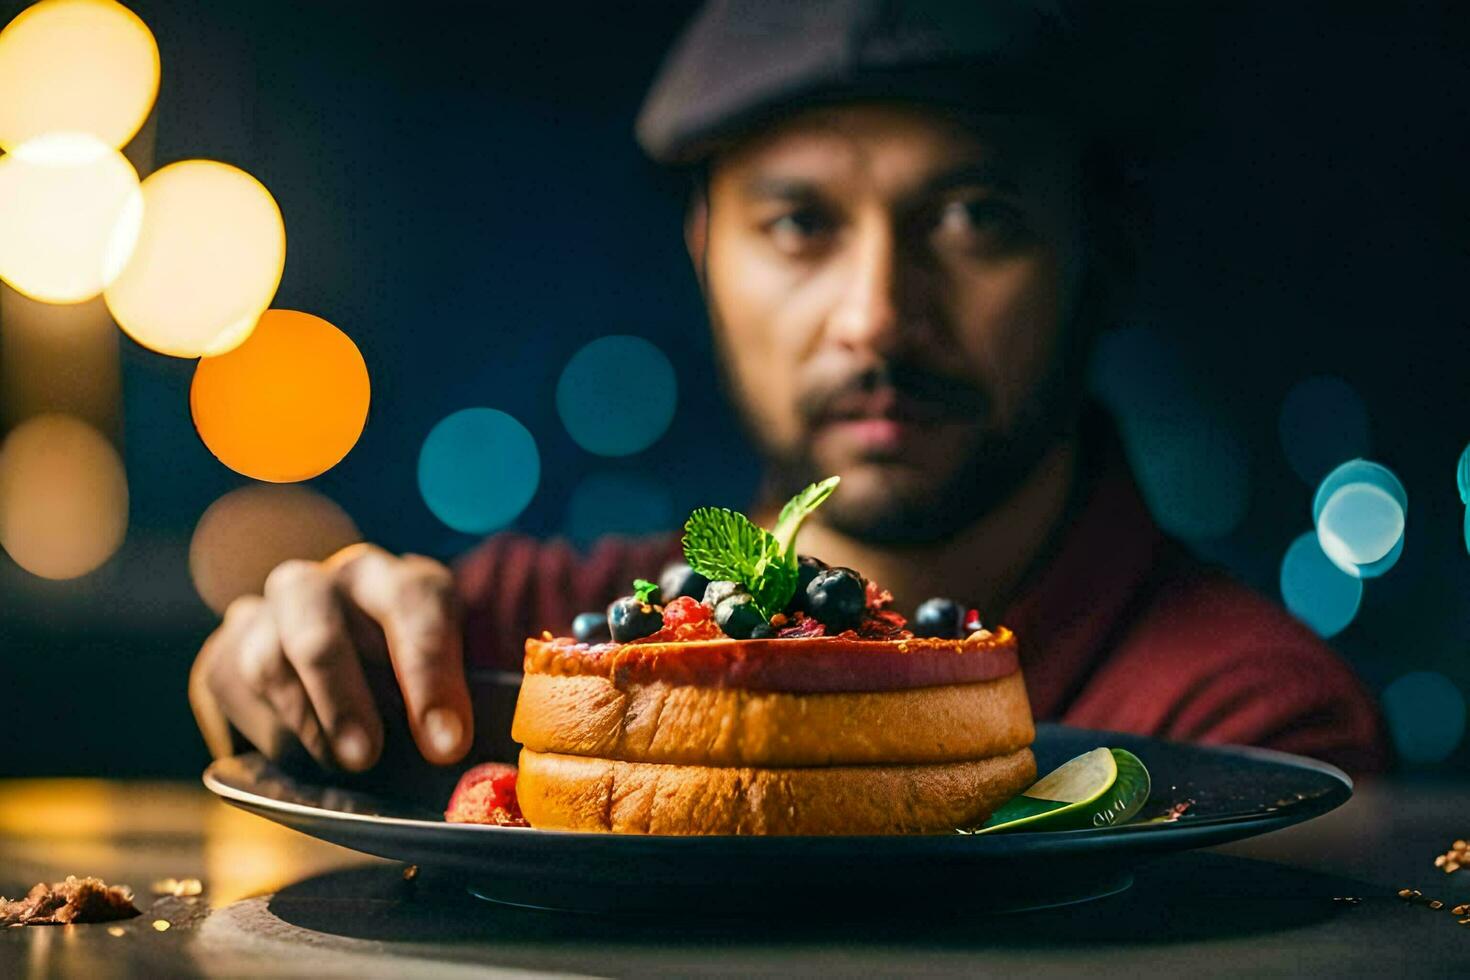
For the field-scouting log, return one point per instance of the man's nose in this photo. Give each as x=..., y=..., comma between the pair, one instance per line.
x=866, y=315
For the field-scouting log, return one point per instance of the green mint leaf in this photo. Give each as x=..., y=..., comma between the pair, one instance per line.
x=722, y=544
x=798, y=509
x=643, y=590
x=775, y=581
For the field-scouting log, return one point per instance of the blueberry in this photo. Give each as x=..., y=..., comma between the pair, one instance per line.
x=678, y=579
x=836, y=598
x=591, y=627
x=717, y=592
x=943, y=618
x=630, y=619
x=807, y=568
x=765, y=631
x=738, y=617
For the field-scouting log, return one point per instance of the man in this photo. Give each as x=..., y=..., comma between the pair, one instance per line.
x=904, y=231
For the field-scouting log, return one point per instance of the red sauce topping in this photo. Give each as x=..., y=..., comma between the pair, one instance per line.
x=844, y=663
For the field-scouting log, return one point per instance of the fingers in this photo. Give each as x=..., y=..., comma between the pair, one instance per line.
x=209, y=713
x=412, y=598
x=314, y=640
x=240, y=673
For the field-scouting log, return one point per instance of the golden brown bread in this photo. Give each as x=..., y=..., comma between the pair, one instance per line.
x=565, y=792
x=833, y=735
x=593, y=715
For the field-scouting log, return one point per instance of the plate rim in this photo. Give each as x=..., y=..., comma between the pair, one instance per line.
x=255, y=802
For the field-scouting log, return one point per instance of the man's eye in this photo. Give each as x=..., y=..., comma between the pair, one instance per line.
x=800, y=229
x=981, y=224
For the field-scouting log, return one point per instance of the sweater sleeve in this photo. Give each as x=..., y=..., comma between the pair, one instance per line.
x=512, y=586
x=1214, y=662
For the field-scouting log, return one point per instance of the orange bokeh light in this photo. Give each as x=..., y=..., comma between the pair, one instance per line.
x=288, y=404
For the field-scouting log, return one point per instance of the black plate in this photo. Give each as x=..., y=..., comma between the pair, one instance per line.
x=1232, y=793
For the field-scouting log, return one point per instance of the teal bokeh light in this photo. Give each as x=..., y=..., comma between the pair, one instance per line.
x=617, y=395
x=1462, y=476
x=1191, y=464
x=1315, y=590
x=478, y=469
x=1358, y=471
x=1192, y=469
x=1322, y=421
x=1361, y=529
x=1426, y=716
x=1360, y=511
x=618, y=503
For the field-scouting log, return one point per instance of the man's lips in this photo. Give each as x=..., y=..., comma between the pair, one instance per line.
x=872, y=434
x=890, y=404
x=885, y=421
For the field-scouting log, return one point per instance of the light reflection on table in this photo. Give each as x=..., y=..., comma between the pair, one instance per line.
x=135, y=833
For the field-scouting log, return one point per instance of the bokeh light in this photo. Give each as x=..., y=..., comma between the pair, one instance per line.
x=1315, y=590
x=1360, y=510
x=208, y=260
x=1359, y=528
x=617, y=395
x=1462, y=476
x=1322, y=422
x=617, y=503
x=1377, y=568
x=63, y=497
x=1426, y=716
x=81, y=66
x=478, y=469
x=285, y=405
x=251, y=530
x=69, y=216
x=1358, y=471
x=1193, y=471
x=1363, y=520
x=1191, y=464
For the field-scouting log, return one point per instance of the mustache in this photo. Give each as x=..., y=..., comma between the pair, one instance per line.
x=894, y=390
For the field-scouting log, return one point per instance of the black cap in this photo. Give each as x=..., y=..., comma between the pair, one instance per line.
x=742, y=62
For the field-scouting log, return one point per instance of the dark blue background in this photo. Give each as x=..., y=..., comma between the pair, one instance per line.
x=463, y=196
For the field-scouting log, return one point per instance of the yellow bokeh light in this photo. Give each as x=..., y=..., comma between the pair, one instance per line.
x=207, y=262
x=69, y=216
x=249, y=531
x=63, y=497
x=84, y=66
x=285, y=405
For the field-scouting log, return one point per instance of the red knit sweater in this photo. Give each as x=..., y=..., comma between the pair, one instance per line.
x=1120, y=628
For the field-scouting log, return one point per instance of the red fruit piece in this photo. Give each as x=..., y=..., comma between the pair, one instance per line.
x=486, y=794
x=883, y=624
x=685, y=611
x=972, y=621
x=802, y=627
x=877, y=598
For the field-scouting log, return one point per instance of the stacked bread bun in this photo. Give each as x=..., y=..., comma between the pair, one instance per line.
x=826, y=735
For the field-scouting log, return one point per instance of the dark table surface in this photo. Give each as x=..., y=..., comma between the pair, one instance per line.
x=1318, y=899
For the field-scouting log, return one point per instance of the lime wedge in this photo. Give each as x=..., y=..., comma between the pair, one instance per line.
x=1101, y=788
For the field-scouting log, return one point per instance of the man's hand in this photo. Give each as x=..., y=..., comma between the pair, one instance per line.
x=290, y=663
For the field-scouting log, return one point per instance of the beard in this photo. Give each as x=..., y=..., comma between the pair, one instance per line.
x=891, y=501
x=895, y=500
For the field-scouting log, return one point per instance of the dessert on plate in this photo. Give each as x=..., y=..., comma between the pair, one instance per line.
x=757, y=691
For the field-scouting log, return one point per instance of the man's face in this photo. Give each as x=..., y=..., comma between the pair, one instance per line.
x=892, y=294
